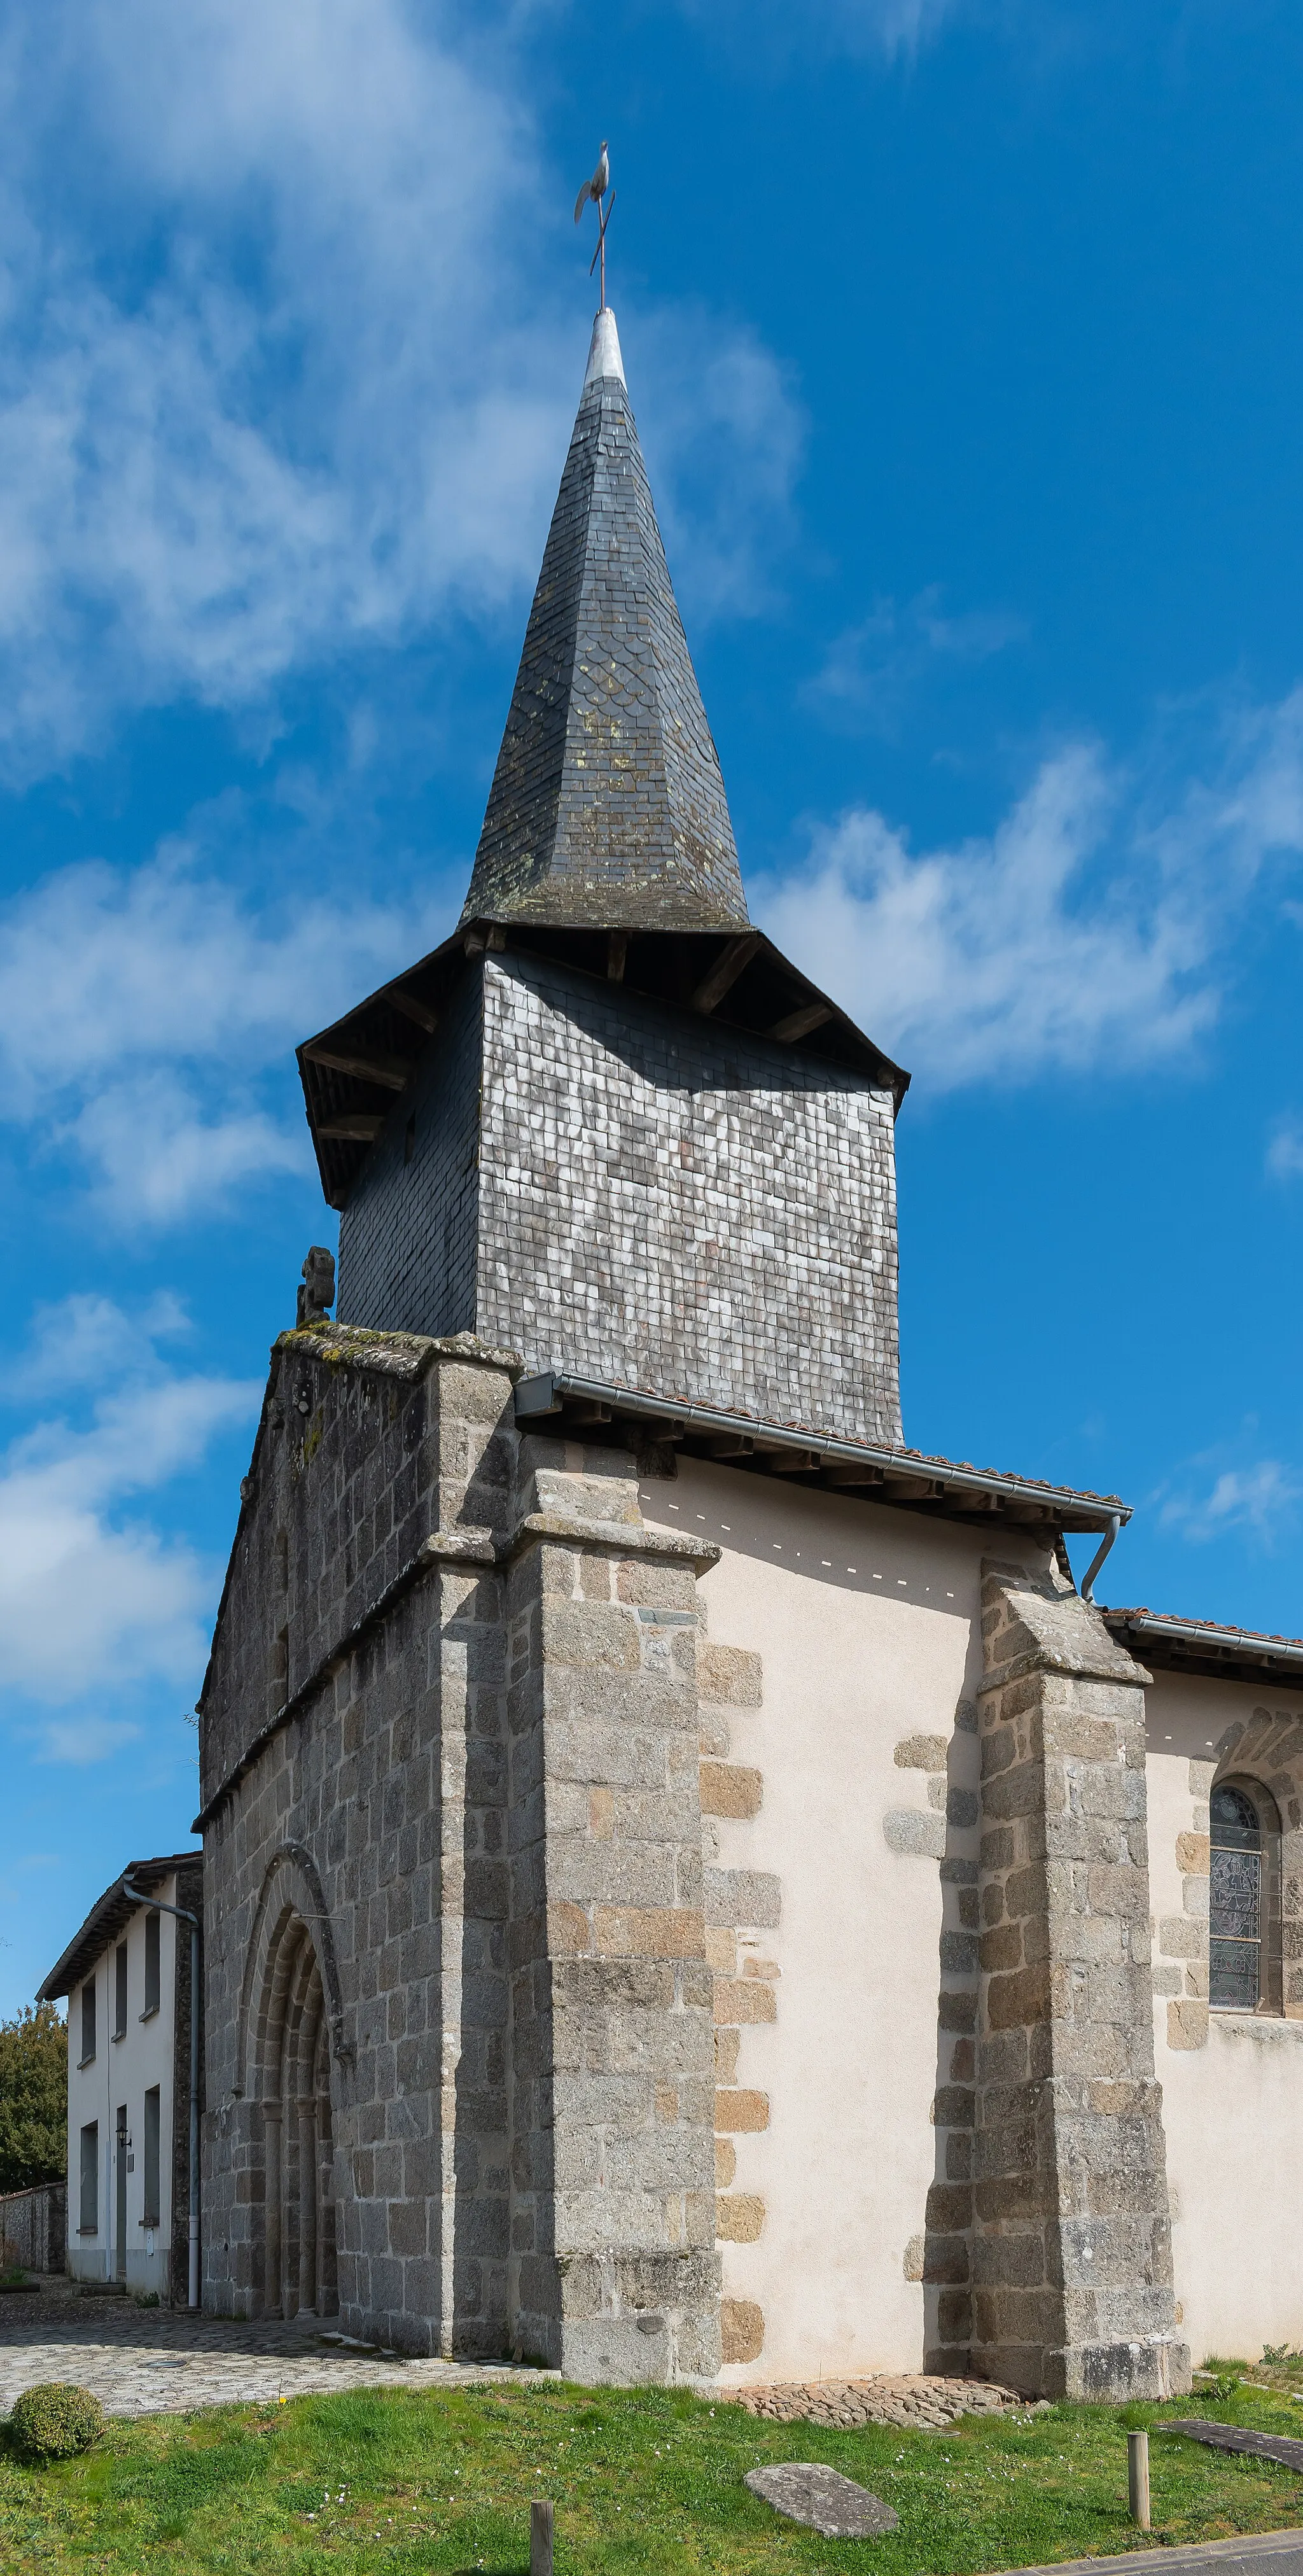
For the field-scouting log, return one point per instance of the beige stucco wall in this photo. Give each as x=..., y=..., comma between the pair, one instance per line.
x=1232, y=2082
x=123, y=2071
x=866, y=1621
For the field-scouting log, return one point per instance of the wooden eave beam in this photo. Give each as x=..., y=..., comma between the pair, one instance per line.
x=394, y=1071
x=351, y=1126
x=731, y=962
x=414, y=1009
x=798, y=1024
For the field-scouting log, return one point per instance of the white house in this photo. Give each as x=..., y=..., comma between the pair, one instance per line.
x=126, y=1975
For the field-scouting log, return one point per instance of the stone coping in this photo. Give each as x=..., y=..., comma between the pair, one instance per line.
x=409, y=1355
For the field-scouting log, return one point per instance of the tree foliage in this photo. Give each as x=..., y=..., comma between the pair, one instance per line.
x=33, y=2098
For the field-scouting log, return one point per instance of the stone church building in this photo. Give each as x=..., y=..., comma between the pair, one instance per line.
x=693, y=1889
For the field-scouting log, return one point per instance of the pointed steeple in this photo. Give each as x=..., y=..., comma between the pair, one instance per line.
x=607, y=808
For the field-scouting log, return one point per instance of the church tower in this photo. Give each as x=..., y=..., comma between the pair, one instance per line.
x=675, y=1859
x=606, y=1124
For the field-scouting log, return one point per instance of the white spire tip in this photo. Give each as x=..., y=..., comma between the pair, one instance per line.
x=604, y=357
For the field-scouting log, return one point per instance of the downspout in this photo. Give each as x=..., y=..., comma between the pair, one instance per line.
x=1088, y=1587
x=184, y=1916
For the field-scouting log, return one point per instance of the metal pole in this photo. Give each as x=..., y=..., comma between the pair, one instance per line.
x=183, y=1915
x=1138, y=2478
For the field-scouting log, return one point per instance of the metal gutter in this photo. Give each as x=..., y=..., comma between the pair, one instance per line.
x=1088, y=1585
x=545, y=1394
x=108, y=1916
x=1221, y=1645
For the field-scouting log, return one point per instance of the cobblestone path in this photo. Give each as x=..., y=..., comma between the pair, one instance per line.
x=149, y=2361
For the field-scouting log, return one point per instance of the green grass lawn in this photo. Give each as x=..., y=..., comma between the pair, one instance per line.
x=646, y=2479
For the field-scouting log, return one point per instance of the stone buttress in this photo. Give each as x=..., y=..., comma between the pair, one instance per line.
x=1071, y=2249
x=449, y=1748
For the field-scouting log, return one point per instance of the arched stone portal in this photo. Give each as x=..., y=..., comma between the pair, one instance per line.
x=292, y=2088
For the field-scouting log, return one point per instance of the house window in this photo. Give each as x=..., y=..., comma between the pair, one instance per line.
x=151, y=2157
x=89, y=2218
x=120, y=1992
x=88, y=2021
x=1244, y=1907
x=152, y=1979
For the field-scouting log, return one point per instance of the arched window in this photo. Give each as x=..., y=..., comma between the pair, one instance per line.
x=1244, y=1927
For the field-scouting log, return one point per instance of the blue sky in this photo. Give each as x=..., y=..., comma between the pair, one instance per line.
x=965, y=342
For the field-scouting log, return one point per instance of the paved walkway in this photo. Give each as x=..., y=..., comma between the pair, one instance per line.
x=1264, y=2553
x=149, y=2361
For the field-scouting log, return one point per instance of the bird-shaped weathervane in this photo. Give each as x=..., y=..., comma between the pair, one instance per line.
x=594, y=189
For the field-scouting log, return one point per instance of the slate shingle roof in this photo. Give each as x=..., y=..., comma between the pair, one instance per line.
x=607, y=807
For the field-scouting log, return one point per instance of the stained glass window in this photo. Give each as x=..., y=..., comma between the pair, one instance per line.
x=1244, y=1945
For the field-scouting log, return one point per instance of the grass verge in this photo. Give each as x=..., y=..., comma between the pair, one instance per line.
x=646, y=2479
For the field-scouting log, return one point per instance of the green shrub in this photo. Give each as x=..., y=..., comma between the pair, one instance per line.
x=147, y=2298
x=54, y=2420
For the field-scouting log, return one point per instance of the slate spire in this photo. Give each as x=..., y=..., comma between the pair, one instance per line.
x=607, y=808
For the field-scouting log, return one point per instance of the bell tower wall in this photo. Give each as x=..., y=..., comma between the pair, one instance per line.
x=613, y=1186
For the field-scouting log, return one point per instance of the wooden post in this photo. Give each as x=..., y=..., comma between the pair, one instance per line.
x=540, y=2539
x=1138, y=2478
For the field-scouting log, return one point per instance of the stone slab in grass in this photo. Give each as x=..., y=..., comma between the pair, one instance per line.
x=807, y=2492
x=1232, y=2437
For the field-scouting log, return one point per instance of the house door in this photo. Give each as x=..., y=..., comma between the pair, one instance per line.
x=120, y=2197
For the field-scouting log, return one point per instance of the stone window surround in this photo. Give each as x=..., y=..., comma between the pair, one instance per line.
x=1268, y=1747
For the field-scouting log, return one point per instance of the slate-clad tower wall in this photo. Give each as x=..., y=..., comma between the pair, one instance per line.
x=637, y=1195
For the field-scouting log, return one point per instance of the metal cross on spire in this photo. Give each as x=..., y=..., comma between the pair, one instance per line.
x=595, y=189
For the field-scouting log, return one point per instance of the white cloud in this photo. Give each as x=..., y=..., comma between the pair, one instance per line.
x=1255, y=1498
x=87, y=1738
x=90, y=1599
x=724, y=443
x=873, y=670
x=891, y=28
x=1089, y=928
x=158, y=1159
x=129, y=997
x=289, y=348
x=1285, y=1152
x=88, y=1340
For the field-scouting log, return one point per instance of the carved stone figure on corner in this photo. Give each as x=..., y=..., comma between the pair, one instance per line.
x=318, y=1290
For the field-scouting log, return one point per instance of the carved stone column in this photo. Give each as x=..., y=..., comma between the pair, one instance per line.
x=1072, y=2264
x=272, y=2298
x=327, y=2263
x=308, y=2203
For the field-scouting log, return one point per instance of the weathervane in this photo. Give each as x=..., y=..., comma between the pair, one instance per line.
x=595, y=188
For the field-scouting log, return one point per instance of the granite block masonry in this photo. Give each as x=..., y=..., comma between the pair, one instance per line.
x=1071, y=2248
x=450, y=1779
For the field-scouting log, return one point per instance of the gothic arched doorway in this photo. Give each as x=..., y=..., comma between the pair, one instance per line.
x=299, y=2261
